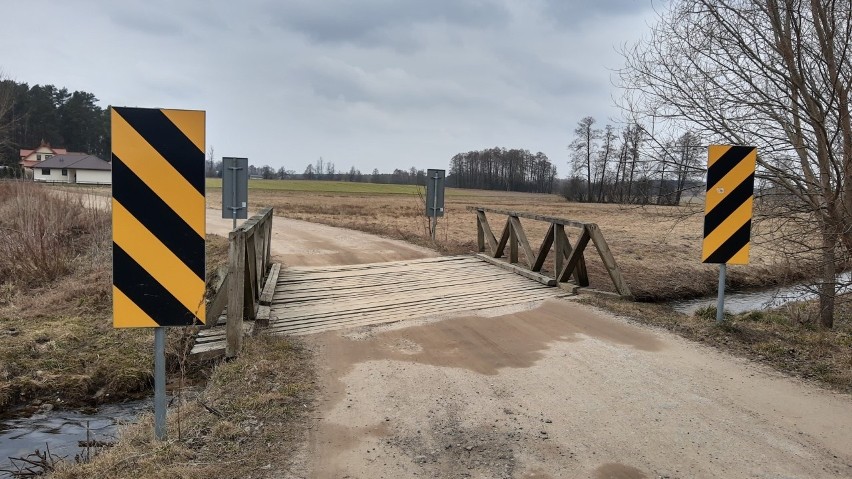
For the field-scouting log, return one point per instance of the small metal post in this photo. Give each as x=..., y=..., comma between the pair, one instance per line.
x=234, y=198
x=160, y=383
x=435, y=205
x=720, y=302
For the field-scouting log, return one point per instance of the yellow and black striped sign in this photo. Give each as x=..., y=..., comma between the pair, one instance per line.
x=158, y=217
x=728, y=204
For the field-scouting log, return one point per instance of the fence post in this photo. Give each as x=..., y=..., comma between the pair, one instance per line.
x=236, y=293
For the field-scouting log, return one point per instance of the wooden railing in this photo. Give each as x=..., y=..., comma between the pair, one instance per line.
x=569, y=260
x=249, y=265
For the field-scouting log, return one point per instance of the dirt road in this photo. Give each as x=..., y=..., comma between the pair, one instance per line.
x=301, y=243
x=562, y=391
x=558, y=391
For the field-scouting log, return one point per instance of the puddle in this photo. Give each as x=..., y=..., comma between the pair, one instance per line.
x=61, y=430
x=741, y=302
x=487, y=345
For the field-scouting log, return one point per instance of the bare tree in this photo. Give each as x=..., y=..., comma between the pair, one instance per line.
x=775, y=74
x=583, y=147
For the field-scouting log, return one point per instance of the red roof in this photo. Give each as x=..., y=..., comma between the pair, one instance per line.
x=57, y=151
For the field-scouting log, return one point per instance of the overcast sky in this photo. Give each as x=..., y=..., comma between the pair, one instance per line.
x=370, y=83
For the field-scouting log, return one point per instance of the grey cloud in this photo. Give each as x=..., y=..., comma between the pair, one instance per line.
x=373, y=22
x=577, y=12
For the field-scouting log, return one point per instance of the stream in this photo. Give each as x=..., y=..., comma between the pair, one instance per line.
x=741, y=302
x=61, y=430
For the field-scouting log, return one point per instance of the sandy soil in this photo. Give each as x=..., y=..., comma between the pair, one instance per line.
x=300, y=243
x=561, y=391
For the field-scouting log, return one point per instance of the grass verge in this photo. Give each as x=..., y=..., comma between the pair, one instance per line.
x=785, y=338
x=226, y=431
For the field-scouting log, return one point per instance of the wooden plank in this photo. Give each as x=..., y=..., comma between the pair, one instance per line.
x=287, y=284
x=480, y=235
x=513, y=242
x=297, y=306
x=544, y=249
x=208, y=352
x=457, y=305
x=457, y=261
x=390, y=300
x=331, y=291
x=347, y=267
x=549, y=219
x=482, y=221
x=262, y=320
x=560, y=239
x=271, y=282
x=521, y=236
x=504, y=238
x=236, y=293
x=581, y=276
x=545, y=280
x=372, y=274
x=251, y=277
x=219, y=300
x=574, y=258
x=375, y=306
x=609, y=261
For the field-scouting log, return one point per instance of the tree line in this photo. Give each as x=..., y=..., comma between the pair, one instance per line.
x=30, y=115
x=630, y=165
x=502, y=169
x=323, y=170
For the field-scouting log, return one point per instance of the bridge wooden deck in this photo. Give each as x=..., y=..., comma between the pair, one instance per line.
x=315, y=299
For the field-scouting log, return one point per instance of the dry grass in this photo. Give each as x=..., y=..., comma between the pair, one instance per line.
x=658, y=248
x=786, y=338
x=248, y=431
x=57, y=342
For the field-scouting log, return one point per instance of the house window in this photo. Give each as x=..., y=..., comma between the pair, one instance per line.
x=45, y=171
x=64, y=172
x=44, y=157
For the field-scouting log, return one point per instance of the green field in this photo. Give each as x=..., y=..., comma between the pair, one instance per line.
x=320, y=186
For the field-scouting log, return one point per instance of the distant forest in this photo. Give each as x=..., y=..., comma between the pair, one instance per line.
x=502, y=169
x=32, y=114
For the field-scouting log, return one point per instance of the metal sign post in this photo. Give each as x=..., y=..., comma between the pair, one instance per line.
x=720, y=301
x=158, y=227
x=235, y=189
x=727, y=210
x=160, y=383
x=434, y=198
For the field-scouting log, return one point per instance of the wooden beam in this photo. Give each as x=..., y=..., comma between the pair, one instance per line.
x=574, y=258
x=560, y=239
x=504, y=238
x=271, y=281
x=219, y=300
x=581, y=275
x=236, y=293
x=480, y=235
x=609, y=261
x=549, y=219
x=544, y=249
x=489, y=235
x=521, y=236
x=513, y=241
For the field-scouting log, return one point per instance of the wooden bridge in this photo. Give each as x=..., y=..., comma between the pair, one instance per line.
x=305, y=300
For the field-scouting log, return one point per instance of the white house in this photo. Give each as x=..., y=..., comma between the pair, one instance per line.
x=31, y=158
x=77, y=168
